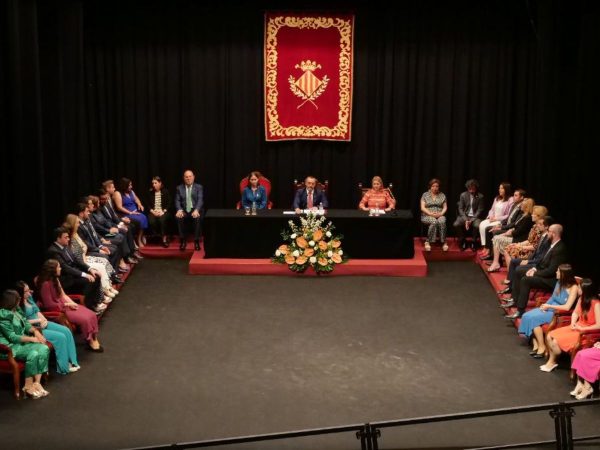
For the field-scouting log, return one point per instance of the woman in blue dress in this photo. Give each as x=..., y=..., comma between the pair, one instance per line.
x=563, y=298
x=129, y=205
x=59, y=336
x=254, y=192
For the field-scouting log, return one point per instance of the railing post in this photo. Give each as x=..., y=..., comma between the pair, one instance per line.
x=368, y=437
x=562, y=426
x=375, y=433
x=362, y=435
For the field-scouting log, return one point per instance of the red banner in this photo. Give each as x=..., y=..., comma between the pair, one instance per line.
x=308, y=76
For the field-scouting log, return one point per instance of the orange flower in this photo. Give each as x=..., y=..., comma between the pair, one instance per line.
x=323, y=261
x=317, y=235
x=309, y=252
x=284, y=249
x=336, y=258
x=335, y=243
x=301, y=242
x=289, y=259
x=323, y=245
x=301, y=260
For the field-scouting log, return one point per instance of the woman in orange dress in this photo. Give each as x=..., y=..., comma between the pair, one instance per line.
x=585, y=317
x=377, y=197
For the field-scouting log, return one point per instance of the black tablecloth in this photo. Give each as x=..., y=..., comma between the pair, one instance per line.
x=228, y=233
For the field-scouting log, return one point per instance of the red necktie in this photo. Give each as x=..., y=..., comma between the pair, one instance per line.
x=309, y=202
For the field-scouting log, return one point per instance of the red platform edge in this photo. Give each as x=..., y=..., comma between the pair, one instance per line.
x=414, y=267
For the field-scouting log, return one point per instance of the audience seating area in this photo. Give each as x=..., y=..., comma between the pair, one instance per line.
x=536, y=298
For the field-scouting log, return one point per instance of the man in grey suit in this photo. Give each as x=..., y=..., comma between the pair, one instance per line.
x=189, y=203
x=470, y=212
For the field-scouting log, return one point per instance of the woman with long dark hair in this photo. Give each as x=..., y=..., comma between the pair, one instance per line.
x=59, y=336
x=563, y=298
x=160, y=204
x=585, y=317
x=54, y=298
x=129, y=205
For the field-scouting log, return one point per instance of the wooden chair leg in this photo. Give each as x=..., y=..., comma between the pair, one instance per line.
x=16, y=377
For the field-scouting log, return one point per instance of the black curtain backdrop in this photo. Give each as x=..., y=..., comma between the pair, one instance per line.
x=495, y=90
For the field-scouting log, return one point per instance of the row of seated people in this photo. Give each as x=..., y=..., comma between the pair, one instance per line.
x=535, y=257
x=188, y=205
x=509, y=220
x=566, y=322
x=92, y=253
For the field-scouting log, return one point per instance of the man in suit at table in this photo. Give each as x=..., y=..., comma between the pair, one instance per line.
x=189, y=203
x=543, y=274
x=310, y=197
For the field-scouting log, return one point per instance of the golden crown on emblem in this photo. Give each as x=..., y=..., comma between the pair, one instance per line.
x=308, y=65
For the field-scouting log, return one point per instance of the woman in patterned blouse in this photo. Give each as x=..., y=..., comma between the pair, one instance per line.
x=377, y=197
x=433, y=208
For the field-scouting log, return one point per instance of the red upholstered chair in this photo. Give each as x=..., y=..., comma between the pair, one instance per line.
x=12, y=366
x=264, y=182
x=586, y=340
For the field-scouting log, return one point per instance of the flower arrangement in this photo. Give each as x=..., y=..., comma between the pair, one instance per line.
x=312, y=244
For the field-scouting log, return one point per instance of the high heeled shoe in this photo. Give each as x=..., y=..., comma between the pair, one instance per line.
x=43, y=392
x=585, y=393
x=31, y=393
x=578, y=388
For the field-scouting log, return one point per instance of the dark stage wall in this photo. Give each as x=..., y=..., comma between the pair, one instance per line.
x=496, y=90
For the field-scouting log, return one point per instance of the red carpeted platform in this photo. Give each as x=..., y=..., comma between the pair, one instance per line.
x=415, y=267
x=172, y=251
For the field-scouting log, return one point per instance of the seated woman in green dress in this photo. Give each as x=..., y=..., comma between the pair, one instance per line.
x=27, y=343
x=59, y=336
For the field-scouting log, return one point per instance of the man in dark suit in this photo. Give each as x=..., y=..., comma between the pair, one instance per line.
x=310, y=197
x=106, y=230
x=189, y=203
x=124, y=225
x=76, y=277
x=543, y=274
x=97, y=246
x=470, y=211
x=523, y=265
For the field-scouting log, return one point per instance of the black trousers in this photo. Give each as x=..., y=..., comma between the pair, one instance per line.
x=525, y=284
x=92, y=292
x=461, y=232
x=160, y=225
x=196, y=223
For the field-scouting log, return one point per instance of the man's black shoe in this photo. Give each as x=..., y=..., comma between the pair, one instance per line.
x=474, y=246
x=182, y=245
x=504, y=291
x=463, y=245
x=116, y=279
x=196, y=245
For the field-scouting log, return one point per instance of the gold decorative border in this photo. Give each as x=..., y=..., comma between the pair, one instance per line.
x=272, y=126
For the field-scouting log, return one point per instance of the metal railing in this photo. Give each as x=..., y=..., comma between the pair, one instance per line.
x=369, y=433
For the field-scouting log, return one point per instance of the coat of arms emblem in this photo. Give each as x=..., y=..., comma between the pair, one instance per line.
x=308, y=86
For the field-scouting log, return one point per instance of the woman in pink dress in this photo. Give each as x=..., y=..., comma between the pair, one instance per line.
x=54, y=298
x=587, y=366
x=585, y=317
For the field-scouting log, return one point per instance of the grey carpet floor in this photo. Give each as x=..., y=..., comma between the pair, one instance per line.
x=190, y=358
